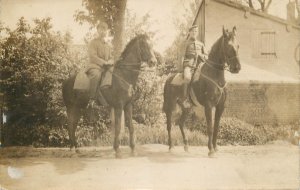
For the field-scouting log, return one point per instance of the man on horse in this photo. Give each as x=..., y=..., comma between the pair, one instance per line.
x=100, y=58
x=194, y=54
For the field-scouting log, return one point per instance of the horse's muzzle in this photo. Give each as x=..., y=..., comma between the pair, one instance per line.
x=235, y=69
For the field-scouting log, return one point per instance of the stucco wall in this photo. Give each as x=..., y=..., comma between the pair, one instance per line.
x=219, y=14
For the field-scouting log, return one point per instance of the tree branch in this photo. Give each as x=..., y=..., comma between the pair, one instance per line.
x=267, y=6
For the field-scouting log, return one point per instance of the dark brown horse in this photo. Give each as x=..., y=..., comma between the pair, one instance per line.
x=118, y=96
x=209, y=88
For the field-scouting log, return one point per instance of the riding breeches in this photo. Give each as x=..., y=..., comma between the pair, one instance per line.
x=95, y=77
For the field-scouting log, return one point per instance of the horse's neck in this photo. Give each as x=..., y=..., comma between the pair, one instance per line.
x=215, y=57
x=126, y=73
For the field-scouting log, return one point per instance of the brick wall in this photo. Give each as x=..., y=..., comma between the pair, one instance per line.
x=259, y=103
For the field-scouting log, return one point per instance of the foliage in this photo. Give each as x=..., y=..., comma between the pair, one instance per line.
x=34, y=62
x=236, y=132
x=148, y=98
x=112, y=12
x=133, y=26
x=174, y=53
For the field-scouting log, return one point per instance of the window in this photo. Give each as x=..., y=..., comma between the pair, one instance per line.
x=264, y=44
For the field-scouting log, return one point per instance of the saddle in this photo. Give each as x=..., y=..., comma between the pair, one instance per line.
x=82, y=81
x=178, y=81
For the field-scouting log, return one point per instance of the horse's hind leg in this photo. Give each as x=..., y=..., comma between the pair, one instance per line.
x=181, y=125
x=218, y=114
x=73, y=118
x=128, y=122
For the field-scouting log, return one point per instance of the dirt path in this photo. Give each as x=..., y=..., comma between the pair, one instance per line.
x=273, y=166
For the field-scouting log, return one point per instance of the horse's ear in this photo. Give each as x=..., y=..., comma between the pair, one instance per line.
x=225, y=32
x=234, y=30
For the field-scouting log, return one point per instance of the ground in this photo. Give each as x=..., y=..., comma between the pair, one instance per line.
x=271, y=166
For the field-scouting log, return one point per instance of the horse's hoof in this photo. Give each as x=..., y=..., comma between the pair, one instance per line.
x=211, y=154
x=216, y=149
x=171, y=148
x=72, y=150
x=186, y=148
x=118, y=154
x=77, y=150
x=134, y=153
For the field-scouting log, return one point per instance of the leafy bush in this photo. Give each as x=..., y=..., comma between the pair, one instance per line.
x=236, y=132
x=34, y=62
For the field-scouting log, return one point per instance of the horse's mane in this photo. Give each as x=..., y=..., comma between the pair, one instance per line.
x=130, y=43
x=215, y=46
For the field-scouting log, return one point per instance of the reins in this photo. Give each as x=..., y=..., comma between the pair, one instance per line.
x=216, y=66
x=136, y=67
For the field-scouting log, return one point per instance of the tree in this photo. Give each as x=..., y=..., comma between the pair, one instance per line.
x=110, y=11
x=261, y=5
x=264, y=5
x=134, y=26
x=298, y=10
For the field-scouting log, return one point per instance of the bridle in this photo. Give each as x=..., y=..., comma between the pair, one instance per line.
x=136, y=67
x=218, y=67
x=130, y=67
x=224, y=66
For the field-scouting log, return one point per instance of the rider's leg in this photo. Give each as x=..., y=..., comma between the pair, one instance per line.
x=187, y=75
x=94, y=76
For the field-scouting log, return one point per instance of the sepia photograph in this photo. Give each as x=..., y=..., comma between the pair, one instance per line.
x=150, y=94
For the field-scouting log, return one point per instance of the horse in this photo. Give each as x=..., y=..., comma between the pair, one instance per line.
x=209, y=89
x=137, y=54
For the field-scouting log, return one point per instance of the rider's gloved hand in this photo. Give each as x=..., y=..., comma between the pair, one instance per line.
x=109, y=63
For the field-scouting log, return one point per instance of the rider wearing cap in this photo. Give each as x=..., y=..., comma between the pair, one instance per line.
x=100, y=56
x=194, y=54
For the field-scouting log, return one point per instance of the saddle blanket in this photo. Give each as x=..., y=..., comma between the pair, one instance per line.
x=82, y=81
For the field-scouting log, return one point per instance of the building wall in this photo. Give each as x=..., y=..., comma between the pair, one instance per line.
x=257, y=100
x=262, y=103
x=219, y=14
x=259, y=103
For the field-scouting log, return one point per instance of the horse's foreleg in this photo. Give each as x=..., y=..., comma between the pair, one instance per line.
x=118, y=117
x=208, y=115
x=181, y=125
x=128, y=123
x=218, y=114
x=169, y=127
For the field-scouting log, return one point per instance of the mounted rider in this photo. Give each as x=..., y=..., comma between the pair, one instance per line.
x=100, y=58
x=194, y=54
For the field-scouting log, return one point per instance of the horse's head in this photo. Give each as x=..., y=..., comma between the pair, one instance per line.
x=230, y=49
x=139, y=50
x=146, y=50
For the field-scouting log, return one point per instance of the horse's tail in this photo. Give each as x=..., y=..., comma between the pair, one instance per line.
x=167, y=92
